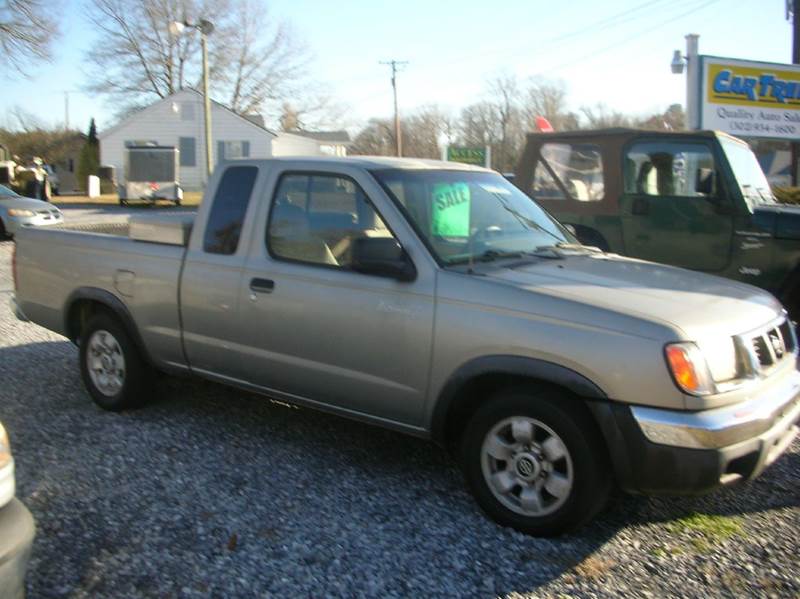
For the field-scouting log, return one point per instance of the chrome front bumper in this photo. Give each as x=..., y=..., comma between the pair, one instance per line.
x=775, y=416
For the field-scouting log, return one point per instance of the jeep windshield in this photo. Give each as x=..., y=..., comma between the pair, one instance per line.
x=747, y=171
x=467, y=216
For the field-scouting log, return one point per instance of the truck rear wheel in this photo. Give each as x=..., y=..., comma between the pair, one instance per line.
x=535, y=462
x=112, y=368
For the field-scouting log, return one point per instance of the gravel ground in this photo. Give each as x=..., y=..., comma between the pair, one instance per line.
x=211, y=492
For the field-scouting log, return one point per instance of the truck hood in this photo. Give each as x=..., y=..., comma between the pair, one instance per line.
x=699, y=306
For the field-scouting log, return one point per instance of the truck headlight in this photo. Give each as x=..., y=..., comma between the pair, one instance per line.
x=689, y=369
x=20, y=212
x=5, y=448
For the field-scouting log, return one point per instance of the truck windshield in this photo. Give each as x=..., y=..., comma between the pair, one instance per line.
x=465, y=216
x=748, y=173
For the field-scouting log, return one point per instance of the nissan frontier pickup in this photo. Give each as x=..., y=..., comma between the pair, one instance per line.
x=436, y=299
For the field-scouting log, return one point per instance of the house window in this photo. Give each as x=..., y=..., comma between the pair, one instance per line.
x=231, y=150
x=187, y=147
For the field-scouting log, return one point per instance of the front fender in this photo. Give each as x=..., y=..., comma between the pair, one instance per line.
x=532, y=368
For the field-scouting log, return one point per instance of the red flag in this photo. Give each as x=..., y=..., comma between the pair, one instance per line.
x=543, y=125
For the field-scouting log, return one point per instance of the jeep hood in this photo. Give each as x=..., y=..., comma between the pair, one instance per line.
x=700, y=306
x=780, y=220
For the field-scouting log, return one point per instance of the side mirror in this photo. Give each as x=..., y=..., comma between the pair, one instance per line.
x=383, y=257
x=704, y=182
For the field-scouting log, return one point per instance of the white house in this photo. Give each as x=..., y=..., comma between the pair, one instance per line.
x=177, y=120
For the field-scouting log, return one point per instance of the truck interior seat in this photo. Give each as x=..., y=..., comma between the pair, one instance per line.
x=291, y=236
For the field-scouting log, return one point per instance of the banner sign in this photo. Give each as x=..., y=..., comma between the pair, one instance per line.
x=750, y=99
x=475, y=156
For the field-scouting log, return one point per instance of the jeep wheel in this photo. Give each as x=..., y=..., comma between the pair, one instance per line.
x=112, y=368
x=535, y=462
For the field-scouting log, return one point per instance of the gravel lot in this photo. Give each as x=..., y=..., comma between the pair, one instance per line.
x=211, y=492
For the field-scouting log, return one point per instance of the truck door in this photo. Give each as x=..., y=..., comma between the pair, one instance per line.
x=209, y=292
x=318, y=330
x=673, y=206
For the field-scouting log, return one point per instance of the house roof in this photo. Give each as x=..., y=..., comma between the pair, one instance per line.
x=246, y=118
x=332, y=137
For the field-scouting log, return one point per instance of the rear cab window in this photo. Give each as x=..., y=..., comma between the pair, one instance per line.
x=224, y=226
x=576, y=169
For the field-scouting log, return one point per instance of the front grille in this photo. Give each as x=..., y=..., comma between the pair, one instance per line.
x=772, y=345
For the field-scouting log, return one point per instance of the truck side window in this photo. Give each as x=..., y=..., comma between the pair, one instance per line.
x=228, y=210
x=669, y=169
x=579, y=168
x=316, y=217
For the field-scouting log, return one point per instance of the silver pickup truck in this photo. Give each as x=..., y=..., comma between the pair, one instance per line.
x=437, y=300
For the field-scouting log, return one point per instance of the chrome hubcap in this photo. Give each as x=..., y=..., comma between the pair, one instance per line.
x=527, y=466
x=106, y=364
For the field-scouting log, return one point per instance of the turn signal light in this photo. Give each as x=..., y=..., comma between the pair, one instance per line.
x=688, y=368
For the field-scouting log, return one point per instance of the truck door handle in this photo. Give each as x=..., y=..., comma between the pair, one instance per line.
x=640, y=206
x=262, y=285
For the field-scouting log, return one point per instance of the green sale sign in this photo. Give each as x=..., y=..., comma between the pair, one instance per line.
x=450, y=213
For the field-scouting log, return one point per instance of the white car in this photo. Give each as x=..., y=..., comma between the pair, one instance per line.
x=16, y=528
x=17, y=212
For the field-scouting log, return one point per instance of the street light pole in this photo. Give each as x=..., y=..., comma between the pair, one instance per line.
x=205, y=28
x=206, y=105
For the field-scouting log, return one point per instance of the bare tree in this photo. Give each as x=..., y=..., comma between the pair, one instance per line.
x=601, y=116
x=547, y=99
x=376, y=139
x=27, y=29
x=257, y=60
x=254, y=62
x=424, y=130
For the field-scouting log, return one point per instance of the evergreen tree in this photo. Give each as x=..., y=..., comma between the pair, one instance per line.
x=89, y=159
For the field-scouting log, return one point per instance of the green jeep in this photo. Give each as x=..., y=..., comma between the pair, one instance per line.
x=696, y=199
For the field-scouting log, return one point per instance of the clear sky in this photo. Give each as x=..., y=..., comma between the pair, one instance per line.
x=612, y=51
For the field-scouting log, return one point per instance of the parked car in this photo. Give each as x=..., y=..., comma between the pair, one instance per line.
x=695, y=199
x=17, y=529
x=17, y=212
x=438, y=300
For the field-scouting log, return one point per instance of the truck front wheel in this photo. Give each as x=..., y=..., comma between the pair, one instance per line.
x=535, y=462
x=112, y=368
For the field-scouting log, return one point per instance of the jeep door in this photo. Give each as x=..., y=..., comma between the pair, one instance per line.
x=674, y=208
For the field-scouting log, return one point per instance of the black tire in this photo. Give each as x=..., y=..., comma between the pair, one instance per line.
x=3, y=234
x=137, y=376
x=586, y=460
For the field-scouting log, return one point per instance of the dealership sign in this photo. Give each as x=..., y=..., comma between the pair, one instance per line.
x=476, y=156
x=750, y=99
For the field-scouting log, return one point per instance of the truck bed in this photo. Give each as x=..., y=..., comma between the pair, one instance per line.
x=141, y=270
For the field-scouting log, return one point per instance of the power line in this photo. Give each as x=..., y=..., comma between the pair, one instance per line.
x=394, y=64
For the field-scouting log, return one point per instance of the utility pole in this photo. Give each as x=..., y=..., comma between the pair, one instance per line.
x=66, y=111
x=793, y=10
x=398, y=136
